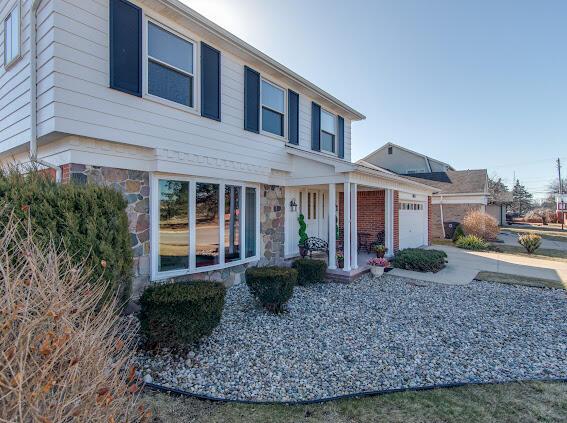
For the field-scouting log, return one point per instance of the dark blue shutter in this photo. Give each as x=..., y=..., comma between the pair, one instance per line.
x=210, y=82
x=341, y=137
x=293, y=112
x=315, y=127
x=125, y=47
x=251, y=100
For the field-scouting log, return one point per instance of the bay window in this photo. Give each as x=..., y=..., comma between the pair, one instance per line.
x=273, y=108
x=203, y=225
x=170, y=66
x=328, y=131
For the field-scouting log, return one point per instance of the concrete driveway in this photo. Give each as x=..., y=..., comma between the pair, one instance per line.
x=464, y=265
x=511, y=238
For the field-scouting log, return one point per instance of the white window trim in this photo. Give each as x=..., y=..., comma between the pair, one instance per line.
x=336, y=121
x=156, y=275
x=196, y=68
x=285, y=113
x=17, y=57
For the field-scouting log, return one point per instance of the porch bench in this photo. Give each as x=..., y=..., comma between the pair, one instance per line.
x=316, y=244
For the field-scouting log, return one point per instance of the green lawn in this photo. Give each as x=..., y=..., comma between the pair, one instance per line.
x=519, y=280
x=519, y=402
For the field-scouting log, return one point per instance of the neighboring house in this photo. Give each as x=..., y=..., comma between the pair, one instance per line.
x=457, y=191
x=216, y=146
x=497, y=207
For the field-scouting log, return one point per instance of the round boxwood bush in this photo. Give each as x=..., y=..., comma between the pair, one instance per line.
x=272, y=286
x=472, y=242
x=176, y=315
x=420, y=260
x=310, y=271
x=459, y=233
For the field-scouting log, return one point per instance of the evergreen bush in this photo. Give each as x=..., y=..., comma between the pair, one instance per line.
x=272, y=286
x=420, y=260
x=88, y=220
x=176, y=315
x=310, y=271
x=459, y=233
x=531, y=242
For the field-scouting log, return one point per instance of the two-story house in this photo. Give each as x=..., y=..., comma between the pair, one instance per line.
x=458, y=191
x=217, y=147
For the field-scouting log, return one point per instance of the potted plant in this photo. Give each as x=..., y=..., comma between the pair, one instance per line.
x=377, y=266
x=302, y=235
x=340, y=259
x=380, y=250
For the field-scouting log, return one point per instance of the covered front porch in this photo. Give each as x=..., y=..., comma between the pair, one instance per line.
x=349, y=216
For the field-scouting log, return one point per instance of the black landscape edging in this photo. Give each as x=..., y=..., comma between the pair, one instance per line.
x=184, y=393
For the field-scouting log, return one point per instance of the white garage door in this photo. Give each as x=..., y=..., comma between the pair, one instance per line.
x=413, y=224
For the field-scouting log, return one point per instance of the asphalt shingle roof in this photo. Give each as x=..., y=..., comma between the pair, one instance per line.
x=453, y=181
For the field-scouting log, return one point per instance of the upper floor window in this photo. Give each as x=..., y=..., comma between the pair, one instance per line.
x=273, y=108
x=390, y=150
x=12, y=35
x=170, y=66
x=328, y=131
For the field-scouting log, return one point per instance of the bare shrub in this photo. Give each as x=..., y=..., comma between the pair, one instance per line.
x=481, y=225
x=543, y=216
x=64, y=354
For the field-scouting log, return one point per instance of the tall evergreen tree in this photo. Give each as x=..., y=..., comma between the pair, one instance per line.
x=523, y=199
x=496, y=189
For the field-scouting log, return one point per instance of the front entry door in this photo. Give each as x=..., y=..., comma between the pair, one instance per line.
x=314, y=211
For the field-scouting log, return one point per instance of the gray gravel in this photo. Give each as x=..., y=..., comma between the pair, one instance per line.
x=374, y=334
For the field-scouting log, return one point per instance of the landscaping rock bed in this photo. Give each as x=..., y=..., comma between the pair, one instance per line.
x=377, y=334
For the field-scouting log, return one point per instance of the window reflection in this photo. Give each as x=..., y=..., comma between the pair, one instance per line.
x=173, y=225
x=231, y=223
x=207, y=228
x=250, y=224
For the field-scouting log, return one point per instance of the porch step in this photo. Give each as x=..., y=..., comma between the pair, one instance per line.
x=339, y=275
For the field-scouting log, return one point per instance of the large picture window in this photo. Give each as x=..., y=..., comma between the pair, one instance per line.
x=170, y=66
x=173, y=225
x=273, y=108
x=204, y=225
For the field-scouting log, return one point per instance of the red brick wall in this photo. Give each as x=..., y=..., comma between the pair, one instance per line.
x=396, y=221
x=371, y=212
x=429, y=221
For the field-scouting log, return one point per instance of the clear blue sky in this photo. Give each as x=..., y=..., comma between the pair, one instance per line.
x=477, y=84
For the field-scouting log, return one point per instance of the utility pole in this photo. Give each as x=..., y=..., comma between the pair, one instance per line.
x=560, y=193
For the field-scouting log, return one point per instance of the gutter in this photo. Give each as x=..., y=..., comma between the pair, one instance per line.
x=33, y=94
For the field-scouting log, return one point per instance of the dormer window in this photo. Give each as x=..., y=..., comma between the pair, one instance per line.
x=170, y=66
x=328, y=131
x=273, y=108
x=12, y=36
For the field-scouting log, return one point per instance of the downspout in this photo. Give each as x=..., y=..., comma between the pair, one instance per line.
x=33, y=94
x=442, y=219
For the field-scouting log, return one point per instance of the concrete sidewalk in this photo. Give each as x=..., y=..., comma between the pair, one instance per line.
x=464, y=265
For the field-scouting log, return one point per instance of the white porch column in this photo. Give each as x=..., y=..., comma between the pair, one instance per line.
x=389, y=223
x=332, y=226
x=346, y=226
x=353, y=227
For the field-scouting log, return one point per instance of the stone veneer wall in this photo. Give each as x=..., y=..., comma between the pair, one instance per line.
x=272, y=221
x=135, y=186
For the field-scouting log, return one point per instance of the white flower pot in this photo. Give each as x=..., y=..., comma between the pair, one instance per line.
x=377, y=271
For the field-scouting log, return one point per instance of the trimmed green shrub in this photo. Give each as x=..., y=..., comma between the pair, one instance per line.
x=531, y=242
x=310, y=271
x=472, y=242
x=90, y=221
x=459, y=233
x=420, y=260
x=176, y=315
x=272, y=286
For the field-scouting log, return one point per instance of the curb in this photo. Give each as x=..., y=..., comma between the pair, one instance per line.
x=181, y=392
